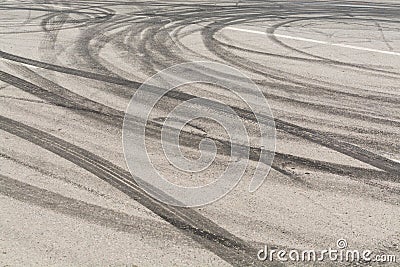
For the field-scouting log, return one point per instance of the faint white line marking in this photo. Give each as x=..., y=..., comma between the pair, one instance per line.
x=364, y=6
x=317, y=41
x=29, y=66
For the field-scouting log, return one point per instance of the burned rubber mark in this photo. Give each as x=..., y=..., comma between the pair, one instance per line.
x=353, y=151
x=214, y=238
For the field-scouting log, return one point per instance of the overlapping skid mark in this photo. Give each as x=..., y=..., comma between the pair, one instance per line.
x=211, y=236
x=77, y=18
x=304, y=85
x=183, y=15
x=70, y=100
x=299, y=80
x=120, y=32
x=333, y=108
x=271, y=30
x=156, y=54
x=62, y=97
x=75, y=208
x=234, y=60
x=346, y=112
x=116, y=80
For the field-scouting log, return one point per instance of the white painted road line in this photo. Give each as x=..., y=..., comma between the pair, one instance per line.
x=364, y=6
x=317, y=41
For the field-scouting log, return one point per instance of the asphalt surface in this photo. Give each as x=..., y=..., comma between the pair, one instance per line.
x=330, y=71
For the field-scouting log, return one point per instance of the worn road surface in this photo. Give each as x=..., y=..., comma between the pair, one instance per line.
x=330, y=71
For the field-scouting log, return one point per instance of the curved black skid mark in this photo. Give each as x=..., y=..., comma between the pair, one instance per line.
x=214, y=238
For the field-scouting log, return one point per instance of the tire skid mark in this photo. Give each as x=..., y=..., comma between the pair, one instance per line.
x=233, y=59
x=67, y=100
x=322, y=108
x=219, y=241
x=216, y=239
x=58, y=94
x=99, y=16
x=271, y=30
x=308, y=134
x=24, y=162
x=62, y=97
x=71, y=71
x=342, y=147
x=214, y=45
x=320, y=138
x=109, y=218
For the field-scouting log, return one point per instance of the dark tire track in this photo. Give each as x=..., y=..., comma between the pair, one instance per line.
x=216, y=239
x=97, y=23
x=308, y=134
x=79, y=209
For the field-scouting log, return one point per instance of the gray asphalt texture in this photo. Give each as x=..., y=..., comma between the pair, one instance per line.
x=69, y=69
